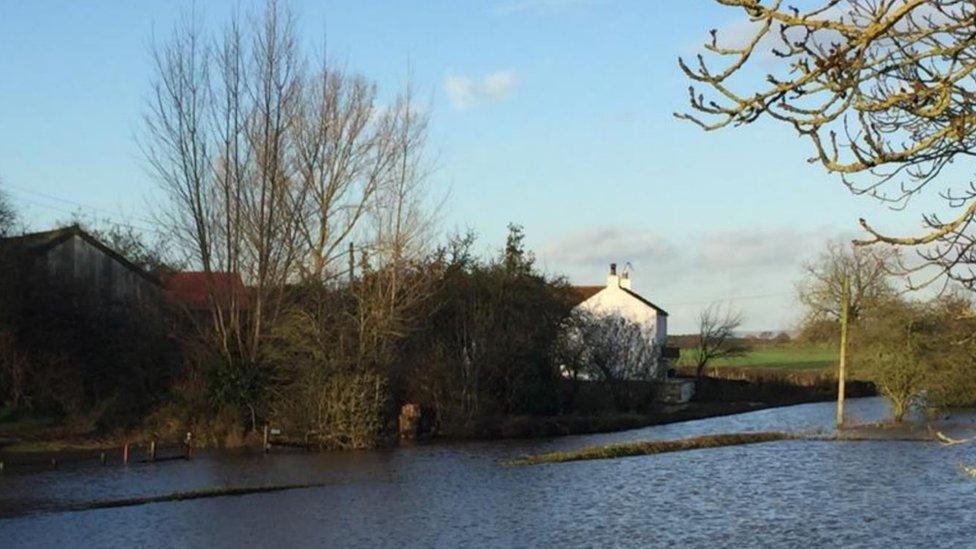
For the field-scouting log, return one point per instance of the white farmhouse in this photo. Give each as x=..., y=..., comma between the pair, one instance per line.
x=617, y=297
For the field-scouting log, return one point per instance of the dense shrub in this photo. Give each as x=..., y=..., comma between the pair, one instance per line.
x=487, y=347
x=66, y=351
x=920, y=354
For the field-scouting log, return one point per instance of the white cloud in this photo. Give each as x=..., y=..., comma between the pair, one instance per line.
x=518, y=6
x=757, y=248
x=499, y=84
x=465, y=92
x=600, y=246
x=460, y=91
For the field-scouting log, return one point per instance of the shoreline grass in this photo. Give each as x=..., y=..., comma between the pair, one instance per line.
x=628, y=449
x=873, y=432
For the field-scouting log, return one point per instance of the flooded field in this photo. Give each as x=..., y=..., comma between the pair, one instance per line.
x=786, y=493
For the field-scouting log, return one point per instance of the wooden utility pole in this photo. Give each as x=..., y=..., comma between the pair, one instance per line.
x=845, y=305
x=352, y=264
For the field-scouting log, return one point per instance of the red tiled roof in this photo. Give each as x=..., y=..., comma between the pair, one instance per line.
x=194, y=289
x=585, y=292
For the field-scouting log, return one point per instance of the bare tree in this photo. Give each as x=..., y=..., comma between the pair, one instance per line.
x=884, y=91
x=839, y=286
x=867, y=271
x=399, y=235
x=175, y=140
x=716, y=336
x=217, y=142
x=610, y=348
x=270, y=169
x=616, y=348
x=344, y=152
x=8, y=215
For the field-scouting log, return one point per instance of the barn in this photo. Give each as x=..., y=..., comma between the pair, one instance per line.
x=70, y=255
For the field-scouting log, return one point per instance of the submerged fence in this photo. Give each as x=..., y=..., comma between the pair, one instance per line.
x=127, y=454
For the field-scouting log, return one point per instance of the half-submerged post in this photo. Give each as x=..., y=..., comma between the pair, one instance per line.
x=266, y=445
x=188, y=445
x=125, y=454
x=845, y=305
x=152, y=450
x=409, y=421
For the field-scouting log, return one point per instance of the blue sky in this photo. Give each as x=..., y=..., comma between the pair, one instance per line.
x=555, y=114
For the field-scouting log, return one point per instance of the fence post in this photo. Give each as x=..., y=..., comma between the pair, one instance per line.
x=125, y=454
x=152, y=450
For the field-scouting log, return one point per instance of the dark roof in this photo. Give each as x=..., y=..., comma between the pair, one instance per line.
x=646, y=302
x=582, y=293
x=194, y=289
x=41, y=242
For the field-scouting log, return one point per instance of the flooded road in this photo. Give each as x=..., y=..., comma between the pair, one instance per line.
x=787, y=493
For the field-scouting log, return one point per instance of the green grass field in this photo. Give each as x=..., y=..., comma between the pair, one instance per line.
x=792, y=357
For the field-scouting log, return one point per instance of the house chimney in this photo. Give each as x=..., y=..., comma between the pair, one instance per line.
x=612, y=278
x=625, y=280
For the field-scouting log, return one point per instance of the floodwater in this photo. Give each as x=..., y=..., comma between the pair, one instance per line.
x=778, y=494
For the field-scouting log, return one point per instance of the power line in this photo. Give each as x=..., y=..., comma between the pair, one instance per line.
x=74, y=203
x=732, y=298
x=104, y=219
